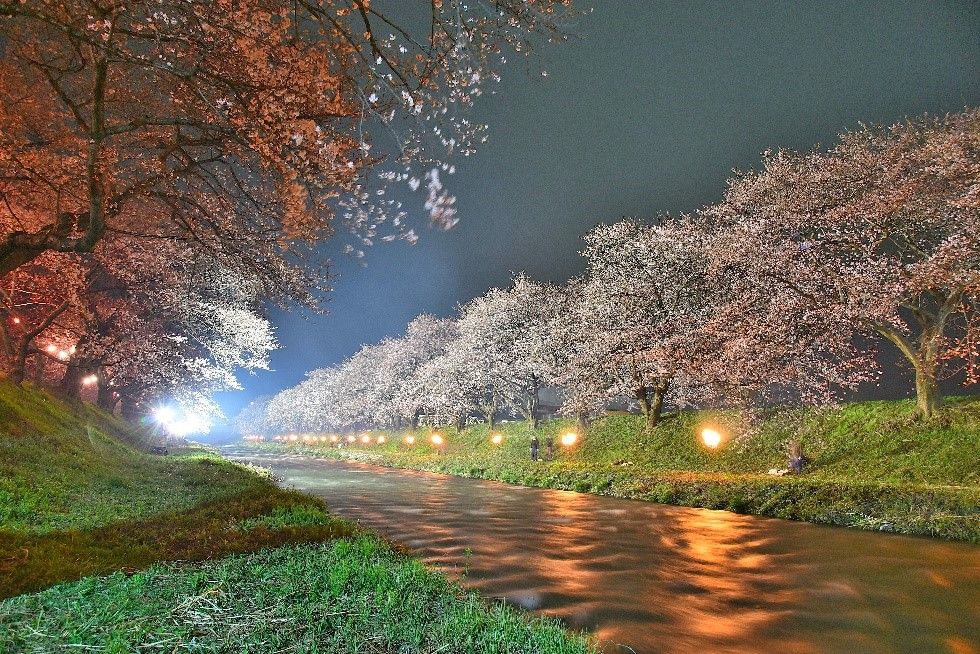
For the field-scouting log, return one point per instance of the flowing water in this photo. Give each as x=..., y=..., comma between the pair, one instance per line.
x=653, y=578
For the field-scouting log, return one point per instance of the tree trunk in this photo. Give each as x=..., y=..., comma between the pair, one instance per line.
x=532, y=408
x=924, y=357
x=657, y=406
x=927, y=397
x=583, y=421
x=71, y=381
x=19, y=367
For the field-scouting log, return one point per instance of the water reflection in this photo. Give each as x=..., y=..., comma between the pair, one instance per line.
x=654, y=578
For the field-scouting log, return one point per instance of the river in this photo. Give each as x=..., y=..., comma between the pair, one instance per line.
x=647, y=577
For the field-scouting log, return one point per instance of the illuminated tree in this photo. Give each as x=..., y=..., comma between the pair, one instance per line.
x=237, y=127
x=634, y=317
x=878, y=236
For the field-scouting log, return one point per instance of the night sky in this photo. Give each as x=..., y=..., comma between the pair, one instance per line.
x=645, y=112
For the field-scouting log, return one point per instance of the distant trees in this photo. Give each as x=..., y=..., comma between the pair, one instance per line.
x=165, y=164
x=764, y=297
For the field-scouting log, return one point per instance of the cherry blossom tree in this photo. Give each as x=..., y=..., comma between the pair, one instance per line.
x=237, y=128
x=635, y=317
x=878, y=236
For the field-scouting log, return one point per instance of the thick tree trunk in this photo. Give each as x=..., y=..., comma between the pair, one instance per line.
x=583, y=421
x=415, y=418
x=532, y=409
x=71, y=381
x=927, y=396
x=651, y=399
x=19, y=365
x=924, y=357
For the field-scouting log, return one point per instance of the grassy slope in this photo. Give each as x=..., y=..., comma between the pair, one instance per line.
x=78, y=497
x=873, y=467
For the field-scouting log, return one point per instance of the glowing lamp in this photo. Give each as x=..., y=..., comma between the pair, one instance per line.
x=410, y=440
x=710, y=437
x=51, y=348
x=497, y=439
x=352, y=438
x=164, y=415
x=365, y=439
x=381, y=440
x=333, y=438
x=437, y=440
x=569, y=439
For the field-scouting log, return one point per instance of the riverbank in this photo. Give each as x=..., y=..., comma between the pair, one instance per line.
x=90, y=521
x=873, y=466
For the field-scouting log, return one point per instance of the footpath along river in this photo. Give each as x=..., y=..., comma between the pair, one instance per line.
x=652, y=578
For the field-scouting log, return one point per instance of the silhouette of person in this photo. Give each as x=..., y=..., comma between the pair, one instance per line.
x=535, y=444
x=549, y=448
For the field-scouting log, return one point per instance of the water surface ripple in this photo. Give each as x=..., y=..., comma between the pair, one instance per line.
x=654, y=578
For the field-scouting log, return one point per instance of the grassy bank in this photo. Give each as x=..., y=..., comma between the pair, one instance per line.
x=873, y=465
x=260, y=568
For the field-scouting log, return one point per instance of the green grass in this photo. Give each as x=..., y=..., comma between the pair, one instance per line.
x=74, y=467
x=261, y=569
x=344, y=596
x=873, y=465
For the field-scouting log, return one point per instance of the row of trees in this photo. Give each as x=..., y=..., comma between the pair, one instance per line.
x=166, y=166
x=780, y=291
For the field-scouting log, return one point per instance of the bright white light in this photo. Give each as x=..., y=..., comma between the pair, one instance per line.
x=409, y=440
x=52, y=348
x=569, y=439
x=90, y=379
x=710, y=437
x=497, y=439
x=164, y=415
x=180, y=424
x=437, y=439
x=381, y=440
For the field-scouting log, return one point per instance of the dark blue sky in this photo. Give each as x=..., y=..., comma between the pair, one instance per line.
x=647, y=111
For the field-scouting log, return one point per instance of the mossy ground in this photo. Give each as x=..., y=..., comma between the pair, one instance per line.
x=254, y=568
x=873, y=465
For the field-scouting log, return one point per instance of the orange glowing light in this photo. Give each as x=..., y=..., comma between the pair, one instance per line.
x=352, y=438
x=52, y=348
x=437, y=440
x=381, y=440
x=409, y=440
x=569, y=439
x=333, y=439
x=710, y=437
x=365, y=439
x=497, y=439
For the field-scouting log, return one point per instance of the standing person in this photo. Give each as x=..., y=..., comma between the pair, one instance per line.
x=549, y=448
x=535, y=444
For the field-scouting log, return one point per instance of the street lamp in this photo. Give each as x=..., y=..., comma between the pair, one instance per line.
x=711, y=438
x=569, y=439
